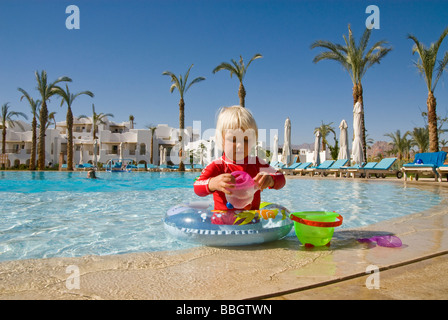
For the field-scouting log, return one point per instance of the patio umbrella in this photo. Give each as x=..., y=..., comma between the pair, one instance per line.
x=160, y=155
x=286, y=154
x=343, y=141
x=81, y=157
x=95, y=151
x=357, y=152
x=121, y=151
x=274, y=152
x=316, y=158
x=211, y=150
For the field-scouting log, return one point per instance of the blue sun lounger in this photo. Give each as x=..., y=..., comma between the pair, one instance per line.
x=382, y=168
x=288, y=170
x=336, y=167
x=425, y=163
x=320, y=168
x=360, y=169
x=301, y=168
x=441, y=170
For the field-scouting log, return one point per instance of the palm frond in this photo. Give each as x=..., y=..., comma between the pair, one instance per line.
x=440, y=68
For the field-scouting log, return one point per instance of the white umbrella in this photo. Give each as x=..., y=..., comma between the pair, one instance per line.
x=121, y=151
x=160, y=155
x=81, y=157
x=316, y=158
x=274, y=151
x=343, y=141
x=164, y=156
x=95, y=151
x=211, y=150
x=286, y=154
x=357, y=152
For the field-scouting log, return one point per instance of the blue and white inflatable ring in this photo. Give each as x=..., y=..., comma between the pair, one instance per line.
x=197, y=222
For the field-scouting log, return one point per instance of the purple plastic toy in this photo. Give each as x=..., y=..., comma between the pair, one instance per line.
x=383, y=241
x=243, y=193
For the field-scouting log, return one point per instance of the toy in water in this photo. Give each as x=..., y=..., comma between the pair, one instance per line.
x=384, y=241
x=315, y=228
x=243, y=192
x=197, y=222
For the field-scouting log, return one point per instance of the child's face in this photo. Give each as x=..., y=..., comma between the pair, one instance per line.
x=237, y=143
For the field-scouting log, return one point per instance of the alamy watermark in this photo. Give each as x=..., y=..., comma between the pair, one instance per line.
x=73, y=280
x=373, y=21
x=73, y=20
x=373, y=280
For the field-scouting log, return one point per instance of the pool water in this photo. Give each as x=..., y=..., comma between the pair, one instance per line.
x=64, y=214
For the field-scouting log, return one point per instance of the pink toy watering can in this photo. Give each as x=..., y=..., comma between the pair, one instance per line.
x=243, y=193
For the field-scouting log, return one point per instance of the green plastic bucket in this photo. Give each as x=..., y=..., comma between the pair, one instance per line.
x=315, y=228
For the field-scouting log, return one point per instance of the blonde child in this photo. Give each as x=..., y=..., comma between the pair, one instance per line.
x=237, y=133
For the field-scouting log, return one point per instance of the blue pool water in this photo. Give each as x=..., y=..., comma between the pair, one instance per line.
x=64, y=214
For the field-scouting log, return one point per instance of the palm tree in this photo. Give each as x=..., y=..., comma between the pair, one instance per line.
x=238, y=69
x=153, y=129
x=131, y=121
x=51, y=119
x=420, y=138
x=6, y=118
x=325, y=129
x=356, y=59
x=400, y=144
x=97, y=118
x=69, y=98
x=182, y=85
x=46, y=90
x=426, y=65
x=34, y=111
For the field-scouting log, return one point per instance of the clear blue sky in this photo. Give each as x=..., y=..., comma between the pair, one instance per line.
x=122, y=48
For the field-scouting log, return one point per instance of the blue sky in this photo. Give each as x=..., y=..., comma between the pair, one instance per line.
x=122, y=48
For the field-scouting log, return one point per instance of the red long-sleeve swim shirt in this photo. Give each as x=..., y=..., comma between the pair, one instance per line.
x=251, y=165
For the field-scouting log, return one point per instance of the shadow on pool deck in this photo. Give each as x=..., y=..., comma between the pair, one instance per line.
x=278, y=270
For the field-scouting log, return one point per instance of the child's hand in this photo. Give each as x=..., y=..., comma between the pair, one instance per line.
x=264, y=180
x=222, y=183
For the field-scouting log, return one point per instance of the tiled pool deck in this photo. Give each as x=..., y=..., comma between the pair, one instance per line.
x=278, y=270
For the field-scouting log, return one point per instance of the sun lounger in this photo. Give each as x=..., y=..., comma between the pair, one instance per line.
x=288, y=170
x=301, y=168
x=335, y=167
x=382, y=168
x=320, y=168
x=442, y=170
x=278, y=165
x=360, y=169
x=141, y=166
x=425, y=163
x=152, y=167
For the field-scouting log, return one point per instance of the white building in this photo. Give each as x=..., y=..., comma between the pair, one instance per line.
x=113, y=140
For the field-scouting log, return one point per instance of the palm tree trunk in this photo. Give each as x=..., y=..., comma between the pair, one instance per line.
x=4, y=143
x=43, y=117
x=181, y=129
x=33, y=146
x=151, y=158
x=432, y=123
x=242, y=95
x=4, y=140
x=69, y=139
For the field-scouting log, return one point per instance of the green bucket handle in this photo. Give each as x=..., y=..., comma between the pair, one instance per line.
x=317, y=223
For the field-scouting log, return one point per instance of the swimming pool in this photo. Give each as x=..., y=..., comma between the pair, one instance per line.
x=64, y=214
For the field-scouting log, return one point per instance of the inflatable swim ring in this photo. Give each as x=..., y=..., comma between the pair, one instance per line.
x=198, y=222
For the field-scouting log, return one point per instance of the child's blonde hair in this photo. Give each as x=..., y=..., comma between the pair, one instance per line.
x=234, y=118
